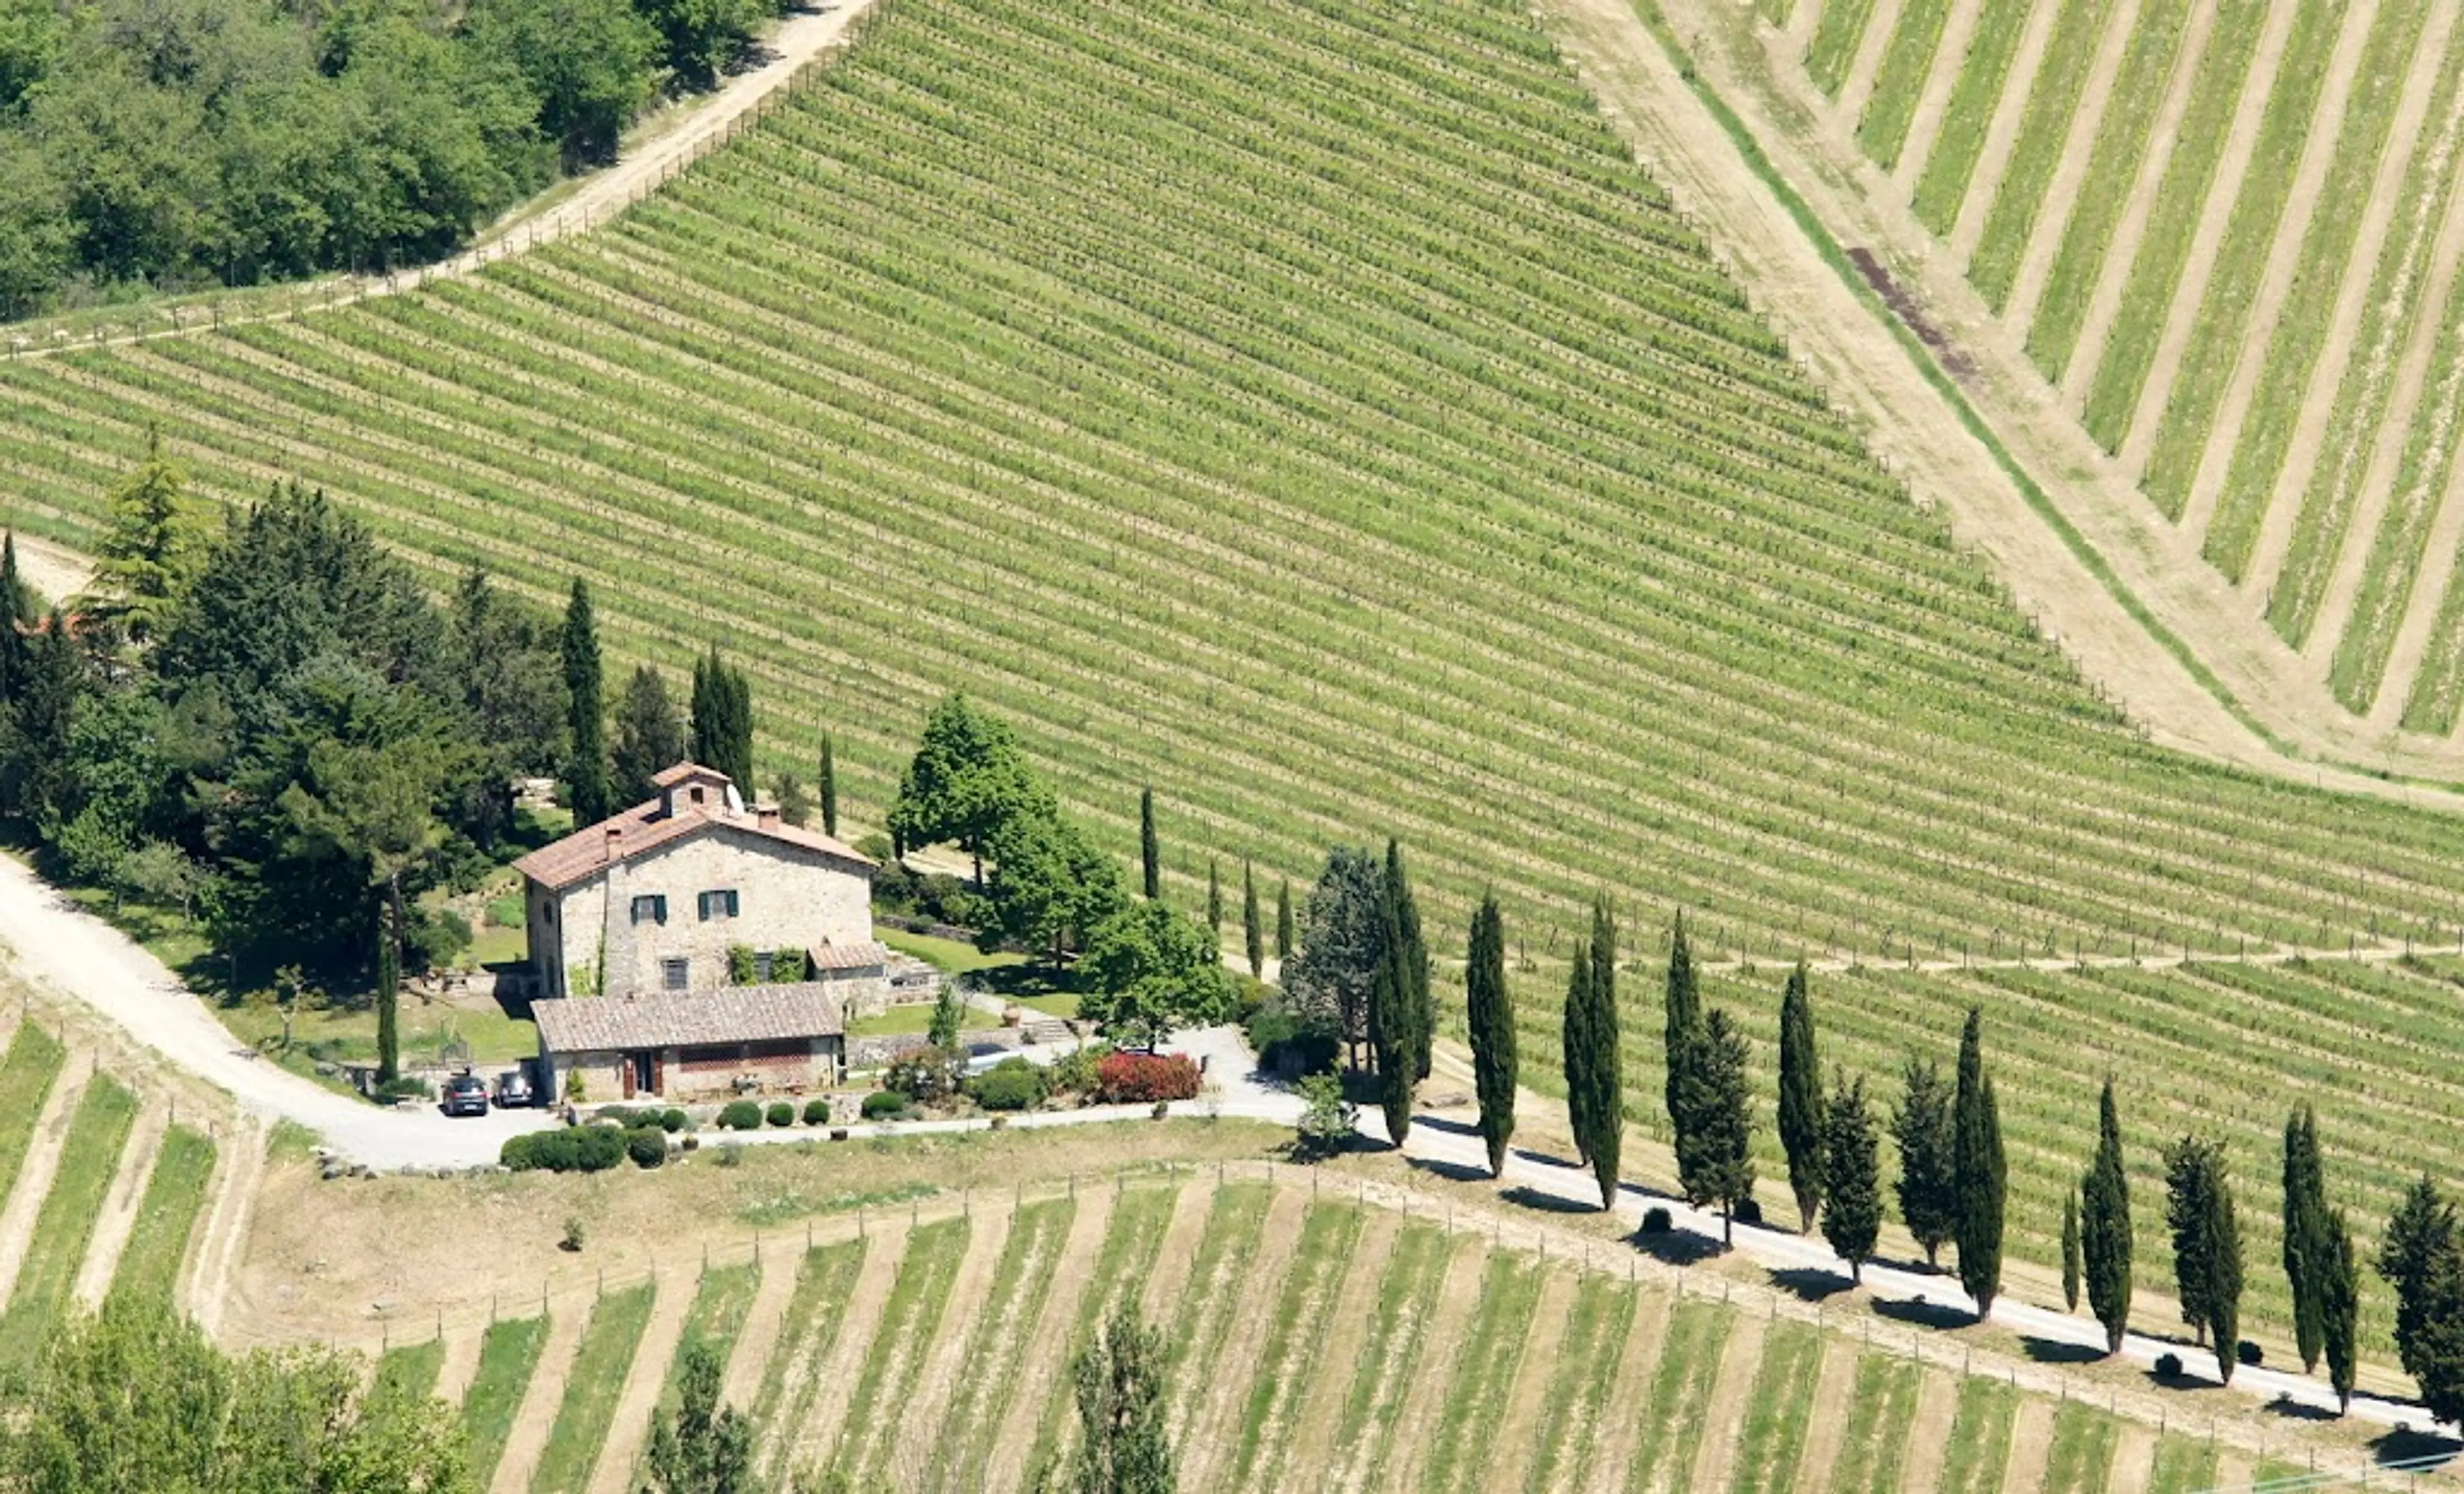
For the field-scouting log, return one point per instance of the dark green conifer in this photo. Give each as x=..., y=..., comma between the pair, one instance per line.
x=1283, y=921
x=722, y=718
x=1800, y=1099
x=2340, y=1306
x=586, y=774
x=1489, y=1010
x=1927, y=1187
x=2207, y=1244
x=1214, y=898
x=1682, y=1019
x=2070, y=1251
x=1715, y=1160
x=829, y=786
x=1574, y=1036
x=1390, y=1028
x=2105, y=1237
x=1150, y=850
x=1852, y=1180
x=1978, y=1170
x=1253, y=938
x=2305, y=1232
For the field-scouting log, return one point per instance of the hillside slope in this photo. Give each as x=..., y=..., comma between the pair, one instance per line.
x=1311, y=411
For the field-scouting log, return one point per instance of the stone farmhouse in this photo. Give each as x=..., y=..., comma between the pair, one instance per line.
x=655, y=936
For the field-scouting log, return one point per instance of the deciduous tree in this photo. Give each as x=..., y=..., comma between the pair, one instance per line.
x=1851, y=1184
x=701, y=1446
x=1050, y=886
x=2105, y=1237
x=1149, y=970
x=1928, y=1190
x=967, y=777
x=1978, y=1170
x=1123, y=1447
x=1489, y=1010
x=1800, y=1099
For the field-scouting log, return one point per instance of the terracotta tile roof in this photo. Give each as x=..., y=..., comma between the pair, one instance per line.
x=648, y=826
x=689, y=1019
x=669, y=778
x=867, y=956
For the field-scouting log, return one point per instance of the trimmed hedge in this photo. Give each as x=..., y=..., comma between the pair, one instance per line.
x=740, y=1115
x=883, y=1102
x=1011, y=1085
x=816, y=1111
x=782, y=1113
x=1141, y=1078
x=574, y=1149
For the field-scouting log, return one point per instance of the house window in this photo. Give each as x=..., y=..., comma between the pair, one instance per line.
x=650, y=908
x=718, y=904
x=762, y=965
x=696, y=794
x=675, y=975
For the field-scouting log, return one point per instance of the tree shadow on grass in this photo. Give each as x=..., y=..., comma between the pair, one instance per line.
x=1923, y=1313
x=2055, y=1351
x=1545, y=1202
x=1676, y=1247
x=2420, y=1451
x=1810, y=1284
x=1452, y=1128
x=2291, y=1410
x=1451, y=1172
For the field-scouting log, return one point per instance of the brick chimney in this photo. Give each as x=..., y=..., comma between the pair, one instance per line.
x=766, y=816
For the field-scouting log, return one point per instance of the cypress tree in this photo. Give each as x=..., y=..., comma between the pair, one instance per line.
x=1414, y=956
x=829, y=786
x=2070, y=1252
x=1682, y=1019
x=586, y=774
x=1390, y=1030
x=1978, y=1176
x=1607, y=1069
x=2422, y=1256
x=722, y=718
x=2339, y=1286
x=1579, y=1045
x=1214, y=898
x=1852, y=1180
x=1150, y=852
x=1283, y=922
x=2207, y=1244
x=1253, y=938
x=2305, y=1232
x=388, y=1006
x=17, y=616
x=1800, y=1099
x=1489, y=1009
x=1928, y=1191
x=1715, y=1162
x=2104, y=1243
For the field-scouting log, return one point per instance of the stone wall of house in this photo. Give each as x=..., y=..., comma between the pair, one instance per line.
x=788, y=897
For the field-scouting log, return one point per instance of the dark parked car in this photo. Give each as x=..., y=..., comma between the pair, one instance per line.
x=513, y=1090
x=465, y=1095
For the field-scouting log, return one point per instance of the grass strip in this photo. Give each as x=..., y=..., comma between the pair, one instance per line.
x=2044, y=129
x=1874, y=1442
x=1780, y=1410
x=2120, y=144
x=509, y=1352
x=1837, y=36
x=166, y=1217
x=1390, y=1349
x=1235, y=1221
x=2280, y=401
x=1586, y=1364
x=34, y=1059
x=1959, y=142
x=2214, y=348
x=1004, y=1327
x=1899, y=83
x=408, y=1371
x=2080, y=1458
x=815, y=1310
x=716, y=1316
x=1680, y=1389
x=2172, y=225
x=591, y=1388
x=1483, y=1380
x=1140, y=1215
x=2183, y=1465
x=1980, y=1438
x=89, y=1161
x=911, y=1317
x=1295, y=1334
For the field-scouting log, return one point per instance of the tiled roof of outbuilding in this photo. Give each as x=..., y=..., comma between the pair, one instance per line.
x=691, y=1019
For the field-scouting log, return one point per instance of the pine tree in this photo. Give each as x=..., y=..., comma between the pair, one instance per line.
x=1488, y=1007
x=2070, y=1252
x=1800, y=1099
x=2305, y=1232
x=1214, y=899
x=2104, y=1241
x=1253, y=937
x=1414, y=957
x=2207, y=1244
x=2422, y=1256
x=1683, y=1020
x=1580, y=1048
x=1978, y=1170
x=1283, y=922
x=152, y=552
x=585, y=771
x=948, y=1014
x=2339, y=1286
x=829, y=787
x=1927, y=1188
x=1852, y=1180
x=1123, y=1446
x=1149, y=851
x=1715, y=1162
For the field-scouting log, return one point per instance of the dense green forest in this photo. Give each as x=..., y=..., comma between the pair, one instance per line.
x=178, y=144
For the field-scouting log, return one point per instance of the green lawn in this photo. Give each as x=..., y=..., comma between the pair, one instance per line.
x=88, y=1160
x=591, y=1389
x=950, y=956
x=910, y=1016
x=157, y=1243
x=507, y=1357
x=343, y=1035
x=410, y=1370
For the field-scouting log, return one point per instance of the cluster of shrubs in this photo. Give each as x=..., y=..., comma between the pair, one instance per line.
x=933, y=896
x=586, y=1149
x=1140, y=1078
x=635, y=1118
x=926, y=1074
x=752, y=1115
x=1011, y=1085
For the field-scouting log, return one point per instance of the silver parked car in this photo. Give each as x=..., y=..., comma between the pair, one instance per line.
x=513, y=1090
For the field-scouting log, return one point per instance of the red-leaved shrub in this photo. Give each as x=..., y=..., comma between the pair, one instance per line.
x=1139, y=1078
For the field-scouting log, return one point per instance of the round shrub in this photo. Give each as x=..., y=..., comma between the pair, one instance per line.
x=1011, y=1085
x=816, y=1111
x=1656, y=1221
x=646, y=1145
x=574, y=1149
x=882, y=1104
x=1749, y=1211
x=673, y=1121
x=2250, y=1353
x=2169, y=1366
x=782, y=1113
x=740, y=1115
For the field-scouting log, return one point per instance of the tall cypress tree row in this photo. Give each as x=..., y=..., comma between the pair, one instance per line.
x=1978, y=1170
x=1851, y=1176
x=829, y=786
x=1413, y=955
x=18, y=615
x=1253, y=938
x=586, y=772
x=1682, y=1019
x=1150, y=850
x=1283, y=920
x=2104, y=1243
x=1580, y=1049
x=2305, y=1232
x=722, y=718
x=1489, y=1011
x=388, y=1006
x=1800, y=1099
